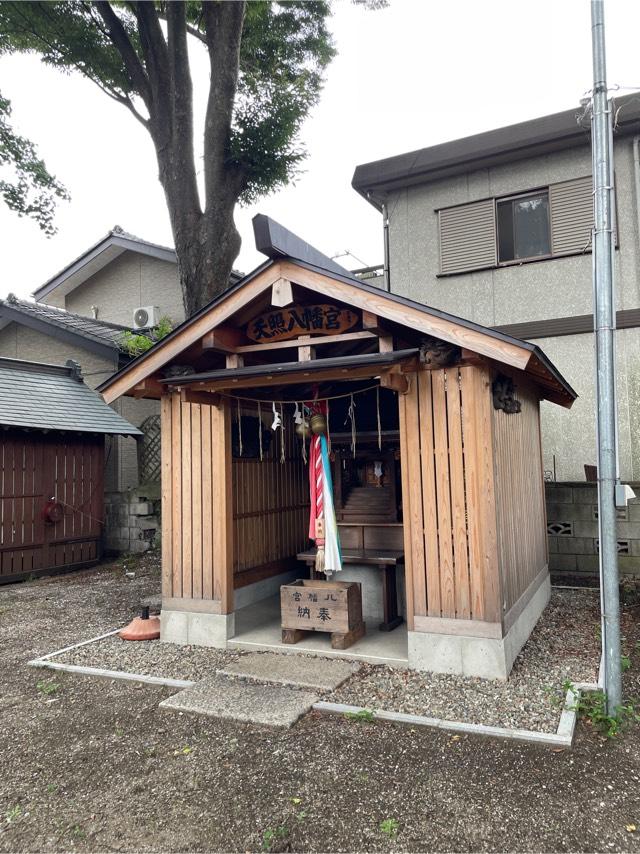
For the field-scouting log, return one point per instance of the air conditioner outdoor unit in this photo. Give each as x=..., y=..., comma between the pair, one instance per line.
x=146, y=316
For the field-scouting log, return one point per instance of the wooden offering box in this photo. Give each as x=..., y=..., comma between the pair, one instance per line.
x=322, y=606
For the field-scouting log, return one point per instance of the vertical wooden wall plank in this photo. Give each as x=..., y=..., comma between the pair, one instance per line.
x=416, y=521
x=445, y=542
x=187, y=519
x=493, y=591
x=222, y=507
x=470, y=391
x=166, y=446
x=196, y=500
x=176, y=478
x=207, y=506
x=430, y=511
x=408, y=512
x=458, y=498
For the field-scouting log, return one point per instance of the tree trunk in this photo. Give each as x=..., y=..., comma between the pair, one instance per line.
x=206, y=254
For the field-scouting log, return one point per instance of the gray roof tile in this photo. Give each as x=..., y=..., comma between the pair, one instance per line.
x=95, y=330
x=51, y=397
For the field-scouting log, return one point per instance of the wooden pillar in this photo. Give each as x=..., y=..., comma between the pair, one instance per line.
x=197, y=512
x=222, y=506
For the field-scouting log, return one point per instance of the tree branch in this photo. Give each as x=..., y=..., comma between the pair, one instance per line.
x=223, y=27
x=122, y=43
x=191, y=30
x=181, y=98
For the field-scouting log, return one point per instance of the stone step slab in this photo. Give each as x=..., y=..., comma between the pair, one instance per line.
x=299, y=671
x=248, y=702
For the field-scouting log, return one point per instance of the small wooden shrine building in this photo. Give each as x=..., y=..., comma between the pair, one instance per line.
x=435, y=434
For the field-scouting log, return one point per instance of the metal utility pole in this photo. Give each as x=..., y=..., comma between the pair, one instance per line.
x=604, y=312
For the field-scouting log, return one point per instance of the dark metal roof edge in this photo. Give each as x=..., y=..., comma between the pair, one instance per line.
x=374, y=359
x=185, y=323
x=57, y=330
x=510, y=142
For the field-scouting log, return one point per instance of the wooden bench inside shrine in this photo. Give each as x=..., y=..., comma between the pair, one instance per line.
x=366, y=505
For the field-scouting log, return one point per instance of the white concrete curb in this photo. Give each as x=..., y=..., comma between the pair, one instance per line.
x=45, y=661
x=563, y=737
x=111, y=674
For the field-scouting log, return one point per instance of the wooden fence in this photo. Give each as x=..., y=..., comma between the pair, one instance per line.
x=37, y=469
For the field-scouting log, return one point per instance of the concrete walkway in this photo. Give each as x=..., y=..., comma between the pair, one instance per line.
x=266, y=689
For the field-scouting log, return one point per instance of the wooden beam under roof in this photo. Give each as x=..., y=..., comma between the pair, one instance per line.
x=318, y=341
x=300, y=377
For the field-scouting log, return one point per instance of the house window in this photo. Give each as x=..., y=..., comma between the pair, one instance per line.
x=548, y=222
x=523, y=227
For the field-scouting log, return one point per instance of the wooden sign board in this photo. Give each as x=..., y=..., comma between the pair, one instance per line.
x=294, y=320
x=321, y=606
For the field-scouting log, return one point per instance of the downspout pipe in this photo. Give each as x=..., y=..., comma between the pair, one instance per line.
x=385, y=233
x=605, y=362
x=384, y=207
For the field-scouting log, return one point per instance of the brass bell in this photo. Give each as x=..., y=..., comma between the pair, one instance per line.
x=318, y=423
x=302, y=429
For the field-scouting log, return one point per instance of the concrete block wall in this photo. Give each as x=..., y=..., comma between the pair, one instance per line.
x=572, y=527
x=132, y=520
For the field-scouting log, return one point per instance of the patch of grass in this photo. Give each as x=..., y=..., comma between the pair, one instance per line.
x=390, y=827
x=365, y=715
x=273, y=835
x=183, y=751
x=13, y=813
x=52, y=788
x=46, y=687
x=592, y=706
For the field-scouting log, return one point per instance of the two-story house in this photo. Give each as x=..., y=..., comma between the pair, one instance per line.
x=496, y=228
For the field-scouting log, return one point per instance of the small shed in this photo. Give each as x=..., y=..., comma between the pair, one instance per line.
x=437, y=468
x=52, y=440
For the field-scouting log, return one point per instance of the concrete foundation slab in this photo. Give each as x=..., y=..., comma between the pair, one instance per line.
x=306, y=671
x=486, y=658
x=199, y=629
x=258, y=628
x=237, y=700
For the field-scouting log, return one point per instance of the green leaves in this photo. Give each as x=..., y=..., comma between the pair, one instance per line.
x=285, y=50
x=26, y=186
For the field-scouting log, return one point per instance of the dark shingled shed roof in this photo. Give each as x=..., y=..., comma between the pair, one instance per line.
x=54, y=397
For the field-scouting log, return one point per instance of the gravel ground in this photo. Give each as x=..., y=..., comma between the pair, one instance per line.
x=92, y=765
x=150, y=658
x=564, y=646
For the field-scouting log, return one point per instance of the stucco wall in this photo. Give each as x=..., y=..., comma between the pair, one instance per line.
x=540, y=290
x=130, y=281
x=544, y=289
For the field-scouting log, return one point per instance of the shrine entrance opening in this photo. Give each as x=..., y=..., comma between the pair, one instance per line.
x=271, y=513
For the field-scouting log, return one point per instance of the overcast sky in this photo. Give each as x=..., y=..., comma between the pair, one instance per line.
x=417, y=73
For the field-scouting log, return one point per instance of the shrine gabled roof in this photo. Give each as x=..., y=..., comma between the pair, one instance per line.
x=338, y=284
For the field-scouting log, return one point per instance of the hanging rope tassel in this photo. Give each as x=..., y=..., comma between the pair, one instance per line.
x=303, y=421
x=239, y=428
x=378, y=415
x=328, y=428
x=319, y=496
x=352, y=416
x=260, y=430
x=282, y=456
